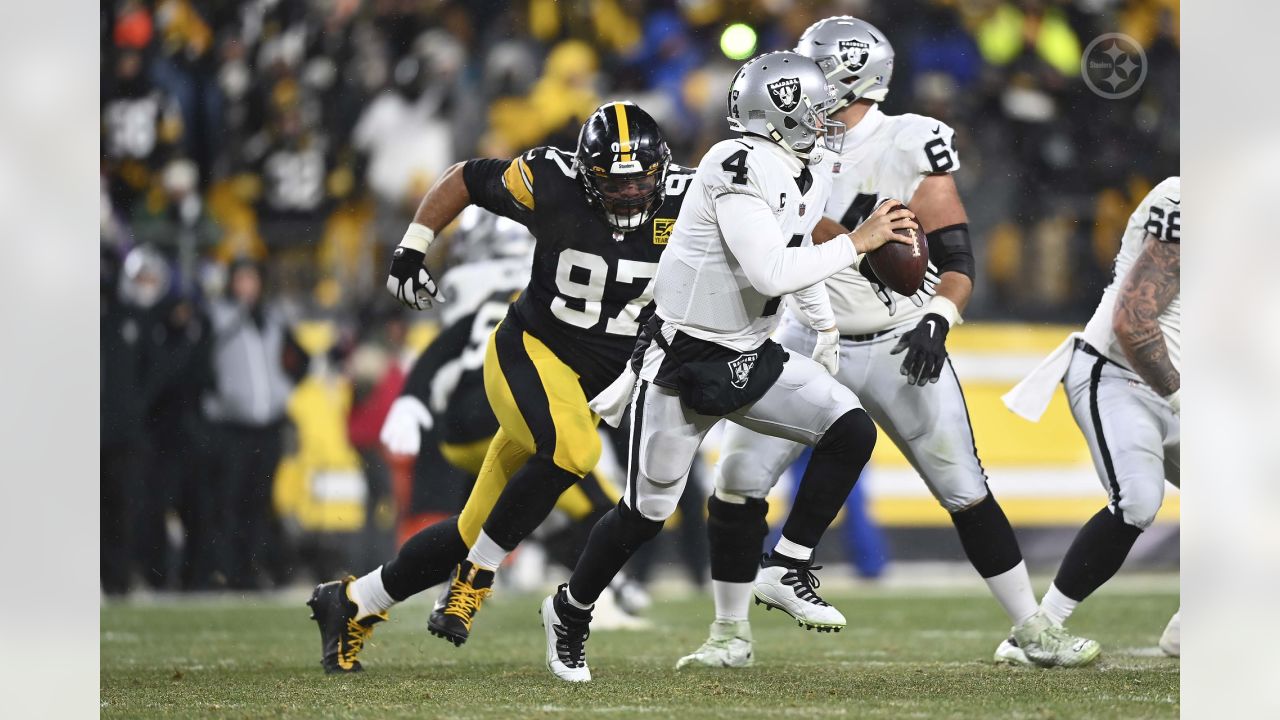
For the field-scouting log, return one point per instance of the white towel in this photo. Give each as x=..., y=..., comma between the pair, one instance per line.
x=1031, y=397
x=612, y=402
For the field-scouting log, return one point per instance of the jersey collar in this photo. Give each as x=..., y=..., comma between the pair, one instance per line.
x=865, y=128
x=793, y=163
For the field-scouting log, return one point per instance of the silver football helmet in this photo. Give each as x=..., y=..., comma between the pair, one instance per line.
x=783, y=97
x=483, y=235
x=855, y=56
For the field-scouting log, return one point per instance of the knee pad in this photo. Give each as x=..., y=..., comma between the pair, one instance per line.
x=853, y=434
x=1139, y=503
x=577, y=455
x=735, y=534
x=741, y=473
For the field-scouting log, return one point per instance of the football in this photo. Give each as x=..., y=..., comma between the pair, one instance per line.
x=901, y=267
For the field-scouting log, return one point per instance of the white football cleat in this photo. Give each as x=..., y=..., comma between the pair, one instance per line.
x=1010, y=654
x=729, y=646
x=1171, y=640
x=1048, y=644
x=788, y=585
x=567, y=629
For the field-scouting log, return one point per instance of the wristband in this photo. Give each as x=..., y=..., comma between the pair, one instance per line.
x=947, y=309
x=1175, y=400
x=418, y=237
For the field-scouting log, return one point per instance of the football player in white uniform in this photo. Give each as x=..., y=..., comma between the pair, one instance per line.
x=738, y=245
x=1122, y=376
x=892, y=356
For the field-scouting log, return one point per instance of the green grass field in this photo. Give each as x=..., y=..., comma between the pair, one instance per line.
x=908, y=653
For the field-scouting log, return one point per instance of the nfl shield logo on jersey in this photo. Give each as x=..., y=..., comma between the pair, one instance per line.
x=785, y=93
x=740, y=369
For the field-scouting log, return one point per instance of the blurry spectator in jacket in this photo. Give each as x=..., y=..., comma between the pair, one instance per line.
x=175, y=345
x=121, y=439
x=247, y=404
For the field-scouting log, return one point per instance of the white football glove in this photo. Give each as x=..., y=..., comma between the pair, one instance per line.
x=826, y=352
x=405, y=423
x=1175, y=401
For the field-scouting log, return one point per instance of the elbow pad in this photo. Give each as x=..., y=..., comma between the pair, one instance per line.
x=951, y=251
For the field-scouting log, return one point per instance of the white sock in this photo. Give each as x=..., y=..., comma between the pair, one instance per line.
x=486, y=553
x=733, y=599
x=795, y=551
x=369, y=595
x=569, y=597
x=1058, y=606
x=1012, y=589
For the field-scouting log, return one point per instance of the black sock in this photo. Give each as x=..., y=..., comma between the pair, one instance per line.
x=736, y=533
x=987, y=537
x=1097, y=553
x=528, y=499
x=426, y=559
x=613, y=540
x=837, y=461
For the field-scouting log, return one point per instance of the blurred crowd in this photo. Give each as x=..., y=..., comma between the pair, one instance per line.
x=260, y=159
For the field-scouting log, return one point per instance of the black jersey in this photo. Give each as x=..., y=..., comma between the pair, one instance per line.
x=590, y=284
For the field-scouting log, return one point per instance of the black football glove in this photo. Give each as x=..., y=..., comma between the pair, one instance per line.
x=409, y=280
x=926, y=350
x=889, y=297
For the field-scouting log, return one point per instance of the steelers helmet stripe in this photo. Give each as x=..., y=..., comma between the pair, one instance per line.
x=624, y=133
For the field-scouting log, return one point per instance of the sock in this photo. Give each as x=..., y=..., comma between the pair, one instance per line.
x=837, y=460
x=613, y=541
x=1058, y=606
x=987, y=537
x=527, y=500
x=992, y=549
x=486, y=553
x=733, y=600
x=792, y=550
x=425, y=560
x=369, y=595
x=735, y=536
x=1012, y=589
x=1097, y=553
x=568, y=597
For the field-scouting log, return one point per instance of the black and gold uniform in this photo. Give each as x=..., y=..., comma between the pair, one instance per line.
x=601, y=218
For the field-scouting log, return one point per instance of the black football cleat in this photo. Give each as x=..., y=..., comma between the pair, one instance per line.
x=342, y=634
x=453, y=616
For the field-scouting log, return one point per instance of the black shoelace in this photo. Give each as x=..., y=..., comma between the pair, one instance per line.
x=803, y=581
x=571, y=637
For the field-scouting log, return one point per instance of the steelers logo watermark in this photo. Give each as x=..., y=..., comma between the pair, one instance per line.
x=1113, y=66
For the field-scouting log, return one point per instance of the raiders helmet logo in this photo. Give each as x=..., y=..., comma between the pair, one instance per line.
x=740, y=369
x=785, y=93
x=855, y=53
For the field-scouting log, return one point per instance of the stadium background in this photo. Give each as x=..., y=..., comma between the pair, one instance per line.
x=302, y=134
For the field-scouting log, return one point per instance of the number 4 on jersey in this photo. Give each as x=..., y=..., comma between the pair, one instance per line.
x=736, y=165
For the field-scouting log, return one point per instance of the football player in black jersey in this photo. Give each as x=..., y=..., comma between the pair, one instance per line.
x=601, y=217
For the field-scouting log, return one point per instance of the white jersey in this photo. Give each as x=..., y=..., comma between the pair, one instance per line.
x=884, y=156
x=742, y=240
x=1159, y=215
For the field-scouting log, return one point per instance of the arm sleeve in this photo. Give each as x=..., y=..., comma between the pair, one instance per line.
x=504, y=187
x=815, y=304
x=756, y=241
x=449, y=345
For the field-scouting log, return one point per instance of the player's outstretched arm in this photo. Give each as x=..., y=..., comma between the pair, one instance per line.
x=1152, y=283
x=408, y=279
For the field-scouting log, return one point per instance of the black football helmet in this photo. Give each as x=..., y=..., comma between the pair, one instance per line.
x=622, y=159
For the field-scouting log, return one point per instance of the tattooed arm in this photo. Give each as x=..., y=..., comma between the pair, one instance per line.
x=1151, y=285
